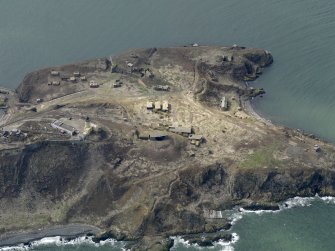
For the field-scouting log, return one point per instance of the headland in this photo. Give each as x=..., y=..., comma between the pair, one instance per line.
x=149, y=144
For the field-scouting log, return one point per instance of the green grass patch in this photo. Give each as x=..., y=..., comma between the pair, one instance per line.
x=261, y=158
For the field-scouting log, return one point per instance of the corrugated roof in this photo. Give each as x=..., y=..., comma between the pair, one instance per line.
x=181, y=129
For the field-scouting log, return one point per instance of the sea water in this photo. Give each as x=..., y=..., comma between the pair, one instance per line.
x=300, y=84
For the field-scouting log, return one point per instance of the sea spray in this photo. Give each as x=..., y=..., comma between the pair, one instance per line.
x=220, y=244
x=234, y=215
x=237, y=213
x=60, y=241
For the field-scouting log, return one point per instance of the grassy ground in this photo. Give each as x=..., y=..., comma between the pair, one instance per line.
x=263, y=157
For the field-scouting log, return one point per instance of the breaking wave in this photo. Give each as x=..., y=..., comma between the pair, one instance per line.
x=223, y=245
x=238, y=213
x=235, y=215
x=60, y=241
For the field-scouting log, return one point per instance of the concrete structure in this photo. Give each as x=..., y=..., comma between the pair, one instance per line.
x=152, y=135
x=195, y=139
x=162, y=88
x=93, y=84
x=88, y=128
x=212, y=214
x=150, y=105
x=181, y=130
x=117, y=84
x=158, y=105
x=83, y=78
x=72, y=79
x=54, y=73
x=165, y=106
x=224, y=104
x=56, y=83
x=64, y=77
x=76, y=74
x=317, y=148
x=57, y=124
x=149, y=74
x=144, y=136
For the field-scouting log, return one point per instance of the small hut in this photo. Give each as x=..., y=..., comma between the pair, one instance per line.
x=158, y=105
x=224, y=104
x=54, y=73
x=150, y=105
x=93, y=84
x=165, y=106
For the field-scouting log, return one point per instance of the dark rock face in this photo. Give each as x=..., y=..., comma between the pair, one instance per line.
x=13, y=171
x=56, y=173
x=25, y=91
x=257, y=206
x=283, y=184
x=249, y=64
x=262, y=185
x=165, y=217
x=208, y=240
x=109, y=235
x=48, y=169
x=262, y=58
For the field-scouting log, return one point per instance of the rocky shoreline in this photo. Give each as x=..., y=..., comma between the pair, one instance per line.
x=70, y=231
x=74, y=231
x=144, y=174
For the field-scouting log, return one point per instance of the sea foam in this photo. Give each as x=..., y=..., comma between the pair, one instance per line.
x=235, y=216
x=221, y=244
x=60, y=241
x=238, y=213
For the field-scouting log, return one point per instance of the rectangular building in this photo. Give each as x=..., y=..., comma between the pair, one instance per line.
x=158, y=105
x=162, y=88
x=195, y=137
x=165, y=106
x=181, y=130
x=117, y=84
x=54, y=73
x=154, y=135
x=55, y=83
x=224, y=103
x=150, y=105
x=94, y=84
x=57, y=124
